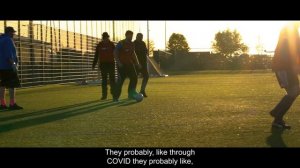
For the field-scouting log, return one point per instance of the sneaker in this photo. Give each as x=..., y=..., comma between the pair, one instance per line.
x=131, y=97
x=144, y=94
x=281, y=125
x=3, y=107
x=115, y=100
x=15, y=107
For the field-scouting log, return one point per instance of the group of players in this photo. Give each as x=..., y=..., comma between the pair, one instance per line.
x=131, y=59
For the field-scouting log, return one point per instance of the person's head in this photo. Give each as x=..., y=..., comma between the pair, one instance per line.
x=129, y=35
x=105, y=36
x=289, y=31
x=10, y=31
x=139, y=37
x=289, y=39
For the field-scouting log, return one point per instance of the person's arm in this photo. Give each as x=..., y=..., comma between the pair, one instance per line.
x=9, y=51
x=136, y=60
x=134, y=57
x=145, y=49
x=116, y=54
x=96, y=57
x=113, y=48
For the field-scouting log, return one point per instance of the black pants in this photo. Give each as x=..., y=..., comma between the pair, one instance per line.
x=292, y=92
x=107, y=69
x=145, y=74
x=124, y=72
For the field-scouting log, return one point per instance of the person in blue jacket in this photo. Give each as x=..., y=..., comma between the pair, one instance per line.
x=8, y=69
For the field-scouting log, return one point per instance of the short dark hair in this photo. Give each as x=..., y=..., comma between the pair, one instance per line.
x=139, y=34
x=9, y=30
x=105, y=35
x=128, y=32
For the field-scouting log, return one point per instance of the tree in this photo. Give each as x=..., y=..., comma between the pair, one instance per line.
x=178, y=43
x=229, y=43
x=151, y=46
x=259, y=46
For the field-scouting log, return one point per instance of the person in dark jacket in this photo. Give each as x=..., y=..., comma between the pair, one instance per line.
x=105, y=56
x=286, y=67
x=142, y=52
x=8, y=69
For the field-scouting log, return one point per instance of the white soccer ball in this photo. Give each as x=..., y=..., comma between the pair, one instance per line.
x=139, y=97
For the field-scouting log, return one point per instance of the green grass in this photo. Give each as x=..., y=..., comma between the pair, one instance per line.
x=201, y=109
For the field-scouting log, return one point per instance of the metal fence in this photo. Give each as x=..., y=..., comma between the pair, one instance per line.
x=53, y=52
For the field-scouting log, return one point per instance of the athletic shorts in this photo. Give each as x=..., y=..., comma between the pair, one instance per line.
x=9, y=79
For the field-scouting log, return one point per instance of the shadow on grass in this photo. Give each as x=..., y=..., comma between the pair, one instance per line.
x=275, y=139
x=50, y=115
x=40, y=112
x=187, y=72
x=128, y=103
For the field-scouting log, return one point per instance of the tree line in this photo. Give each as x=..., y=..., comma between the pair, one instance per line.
x=229, y=52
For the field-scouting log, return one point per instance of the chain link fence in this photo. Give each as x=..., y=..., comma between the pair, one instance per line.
x=52, y=52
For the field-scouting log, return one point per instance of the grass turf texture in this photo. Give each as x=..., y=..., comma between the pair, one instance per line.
x=199, y=109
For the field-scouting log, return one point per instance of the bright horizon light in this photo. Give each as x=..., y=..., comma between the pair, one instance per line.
x=200, y=34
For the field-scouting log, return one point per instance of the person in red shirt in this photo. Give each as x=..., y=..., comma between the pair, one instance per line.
x=128, y=64
x=104, y=55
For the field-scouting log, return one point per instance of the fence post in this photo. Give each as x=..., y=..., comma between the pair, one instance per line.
x=20, y=52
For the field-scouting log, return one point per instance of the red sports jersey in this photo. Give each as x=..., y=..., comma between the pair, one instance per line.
x=127, y=52
x=106, y=52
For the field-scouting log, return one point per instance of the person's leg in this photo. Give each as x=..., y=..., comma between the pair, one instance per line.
x=2, y=97
x=13, y=82
x=99, y=72
x=111, y=71
x=132, y=74
x=12, y=95
x=13, y=104
x=103, y=69
x=2, y=89
x=145, y=74
x=119, y=84
x=286, y=102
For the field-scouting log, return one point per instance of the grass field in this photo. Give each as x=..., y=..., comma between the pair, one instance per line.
x=200, y=109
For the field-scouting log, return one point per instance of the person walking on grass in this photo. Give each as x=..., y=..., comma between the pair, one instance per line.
x=286, y=64
x=142, y=52
x=127, y=63
x=8, y=69
x=104, y=55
